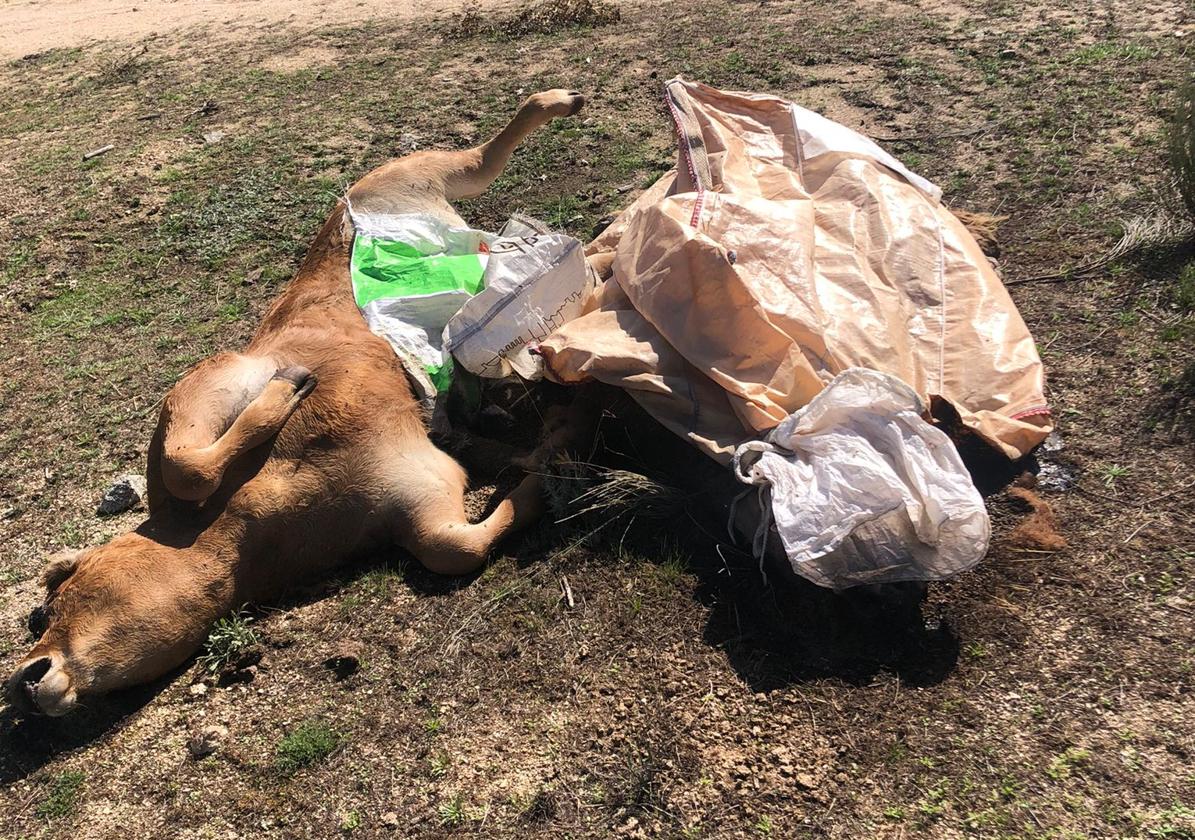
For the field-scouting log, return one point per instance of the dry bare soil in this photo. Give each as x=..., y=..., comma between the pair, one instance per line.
x=1045, y=694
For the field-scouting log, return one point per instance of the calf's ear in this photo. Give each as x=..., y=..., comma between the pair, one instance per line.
x=59, y=567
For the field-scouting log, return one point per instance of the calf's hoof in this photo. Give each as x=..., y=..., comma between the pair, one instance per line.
x=303, y=380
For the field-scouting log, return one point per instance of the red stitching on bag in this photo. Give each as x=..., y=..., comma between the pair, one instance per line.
x=687, y=152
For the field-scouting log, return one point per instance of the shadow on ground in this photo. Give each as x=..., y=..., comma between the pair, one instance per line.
x=27, y=743
x=775, y=627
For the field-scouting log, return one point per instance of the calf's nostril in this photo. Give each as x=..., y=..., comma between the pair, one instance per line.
x=35, y=670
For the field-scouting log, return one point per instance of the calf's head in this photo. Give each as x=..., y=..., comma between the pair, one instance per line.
x=114, y=616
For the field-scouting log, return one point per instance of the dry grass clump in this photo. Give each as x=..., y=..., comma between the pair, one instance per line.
x=594, y=496
x=536, y=19
x=1159, y=230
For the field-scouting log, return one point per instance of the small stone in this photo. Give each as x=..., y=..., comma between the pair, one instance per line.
x=198, y=690
x=806, y=781
x=390, y=819
x=124, y=494
x=345, y=661
x=1008, y=53
x=207, y=741
x=213, y=137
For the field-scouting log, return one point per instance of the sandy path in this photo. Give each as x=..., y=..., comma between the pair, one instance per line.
x=33, y=26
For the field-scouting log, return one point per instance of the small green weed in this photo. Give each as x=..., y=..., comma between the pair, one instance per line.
x=439, y=765
x=976, y=650
x=231, y=637
x=63, y=796
x=933, y=804
x=1063, y=765
x=1113, y=472
x=1177, y=823
x=311, y=742
x=452, y=812
x=1009, y=788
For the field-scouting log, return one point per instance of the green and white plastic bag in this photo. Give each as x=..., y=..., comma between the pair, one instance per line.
x=434, y=291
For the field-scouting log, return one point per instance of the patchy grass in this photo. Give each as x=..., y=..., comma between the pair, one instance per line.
x=63, y=795
x=1180, y=136
x=309, y=743
x=1062, y=766
x=542, y=17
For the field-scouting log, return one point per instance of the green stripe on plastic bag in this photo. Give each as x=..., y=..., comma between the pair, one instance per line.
x=385, y=268
x=441, y=375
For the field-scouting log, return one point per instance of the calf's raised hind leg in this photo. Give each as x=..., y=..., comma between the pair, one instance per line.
x=427, y=181
x=226, y=406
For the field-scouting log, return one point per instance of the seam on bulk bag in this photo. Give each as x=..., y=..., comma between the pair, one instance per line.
x=941, y=270
x=687, y=151
x=800, y=147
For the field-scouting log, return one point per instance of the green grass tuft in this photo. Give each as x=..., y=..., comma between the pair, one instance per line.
x=452, y=812
x=1184, y=289
x=310, y=743
x=63, y=796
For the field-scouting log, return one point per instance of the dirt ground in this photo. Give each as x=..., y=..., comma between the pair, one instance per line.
x=1046, y=694
x=33, y=26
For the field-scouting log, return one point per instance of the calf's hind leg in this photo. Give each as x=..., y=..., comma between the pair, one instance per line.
x=224, y=407
x=426, y=181
x=432, y=523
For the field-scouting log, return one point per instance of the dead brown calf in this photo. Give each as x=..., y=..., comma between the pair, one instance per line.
x=277, y=463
